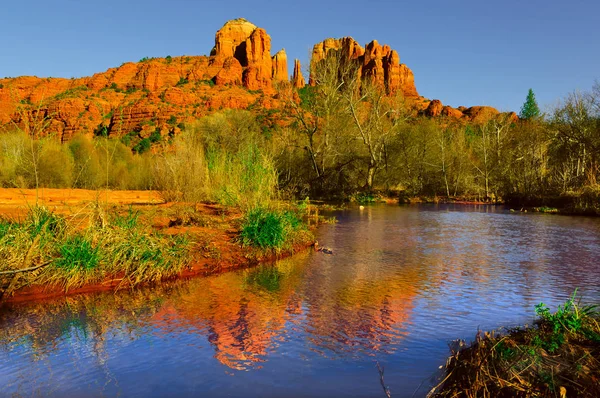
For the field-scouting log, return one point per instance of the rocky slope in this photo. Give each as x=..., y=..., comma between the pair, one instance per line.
x=158, y=94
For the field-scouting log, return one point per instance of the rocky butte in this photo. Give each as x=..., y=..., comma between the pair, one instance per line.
x=159, y=94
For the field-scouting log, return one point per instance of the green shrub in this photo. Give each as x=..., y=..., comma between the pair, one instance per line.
x=142, y=146
x=5, y=227
x=569, y=318
x=181, y=82
x=128, y=221
x=365, y=197
x=245, y=179
x=268, y=229
x=155, y=136
x=41, y=221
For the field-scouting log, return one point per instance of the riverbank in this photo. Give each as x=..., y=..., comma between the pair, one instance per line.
x=61, y=242
x=556, y=357
x=571, y=205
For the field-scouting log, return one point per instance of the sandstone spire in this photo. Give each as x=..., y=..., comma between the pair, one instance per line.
x=280, y=70
x=297, y=78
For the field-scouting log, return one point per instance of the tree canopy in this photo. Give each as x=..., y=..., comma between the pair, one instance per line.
x=530, y=109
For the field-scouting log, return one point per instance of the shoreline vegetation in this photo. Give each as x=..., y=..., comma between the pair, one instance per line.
x=85, y=246
x=559, y=356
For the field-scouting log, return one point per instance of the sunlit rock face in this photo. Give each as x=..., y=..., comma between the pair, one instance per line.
x=297, y=78
x=379, y=63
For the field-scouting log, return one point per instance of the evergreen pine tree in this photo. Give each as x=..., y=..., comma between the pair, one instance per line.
x=530, y=109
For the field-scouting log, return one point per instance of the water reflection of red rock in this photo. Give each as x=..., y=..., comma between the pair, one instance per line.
x=243, y=320
x=239, y=317
x=361, y=318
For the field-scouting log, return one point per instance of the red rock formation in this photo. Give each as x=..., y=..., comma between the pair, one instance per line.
x=231, y=73
x=297, y=78
x=481, y=114
x=280, y=69
x=406, y=80
x=251, y=46
x=160, y=93
x=231, y=38
x=450, y=112
x=474, y=114
x=379, y=63
x=259, y=73
x=434, y=109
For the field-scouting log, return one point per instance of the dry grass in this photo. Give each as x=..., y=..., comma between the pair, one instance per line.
x=558, y=357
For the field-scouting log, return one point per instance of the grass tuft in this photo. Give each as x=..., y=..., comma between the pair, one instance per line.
x=78, y=253
x=269, y=229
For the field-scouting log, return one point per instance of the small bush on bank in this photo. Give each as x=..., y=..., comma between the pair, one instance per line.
x=270, y=229
x=209, y=162
x=55, y=165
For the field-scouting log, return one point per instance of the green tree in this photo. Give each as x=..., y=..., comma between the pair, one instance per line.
x=530, y=109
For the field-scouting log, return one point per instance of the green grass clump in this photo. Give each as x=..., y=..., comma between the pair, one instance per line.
x=546, y=209
x=128, y=221
x=556, y=357
x=569, y=319
x=77, y=253
x=270, y=229
x=5, y=227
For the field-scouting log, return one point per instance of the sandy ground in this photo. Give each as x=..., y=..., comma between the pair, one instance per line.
x=15, y=201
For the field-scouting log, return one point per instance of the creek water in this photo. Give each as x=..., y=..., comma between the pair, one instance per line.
x=402, y=283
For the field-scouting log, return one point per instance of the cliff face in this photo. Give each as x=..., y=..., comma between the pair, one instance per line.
x=135, y=97
x=159, y=94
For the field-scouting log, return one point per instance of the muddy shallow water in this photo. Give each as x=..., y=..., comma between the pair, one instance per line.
x=402, y=283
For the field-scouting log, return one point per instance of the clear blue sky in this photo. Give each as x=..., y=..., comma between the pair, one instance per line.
x=461, y=52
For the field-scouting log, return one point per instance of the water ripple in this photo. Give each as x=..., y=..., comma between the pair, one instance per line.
x=402, y=283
